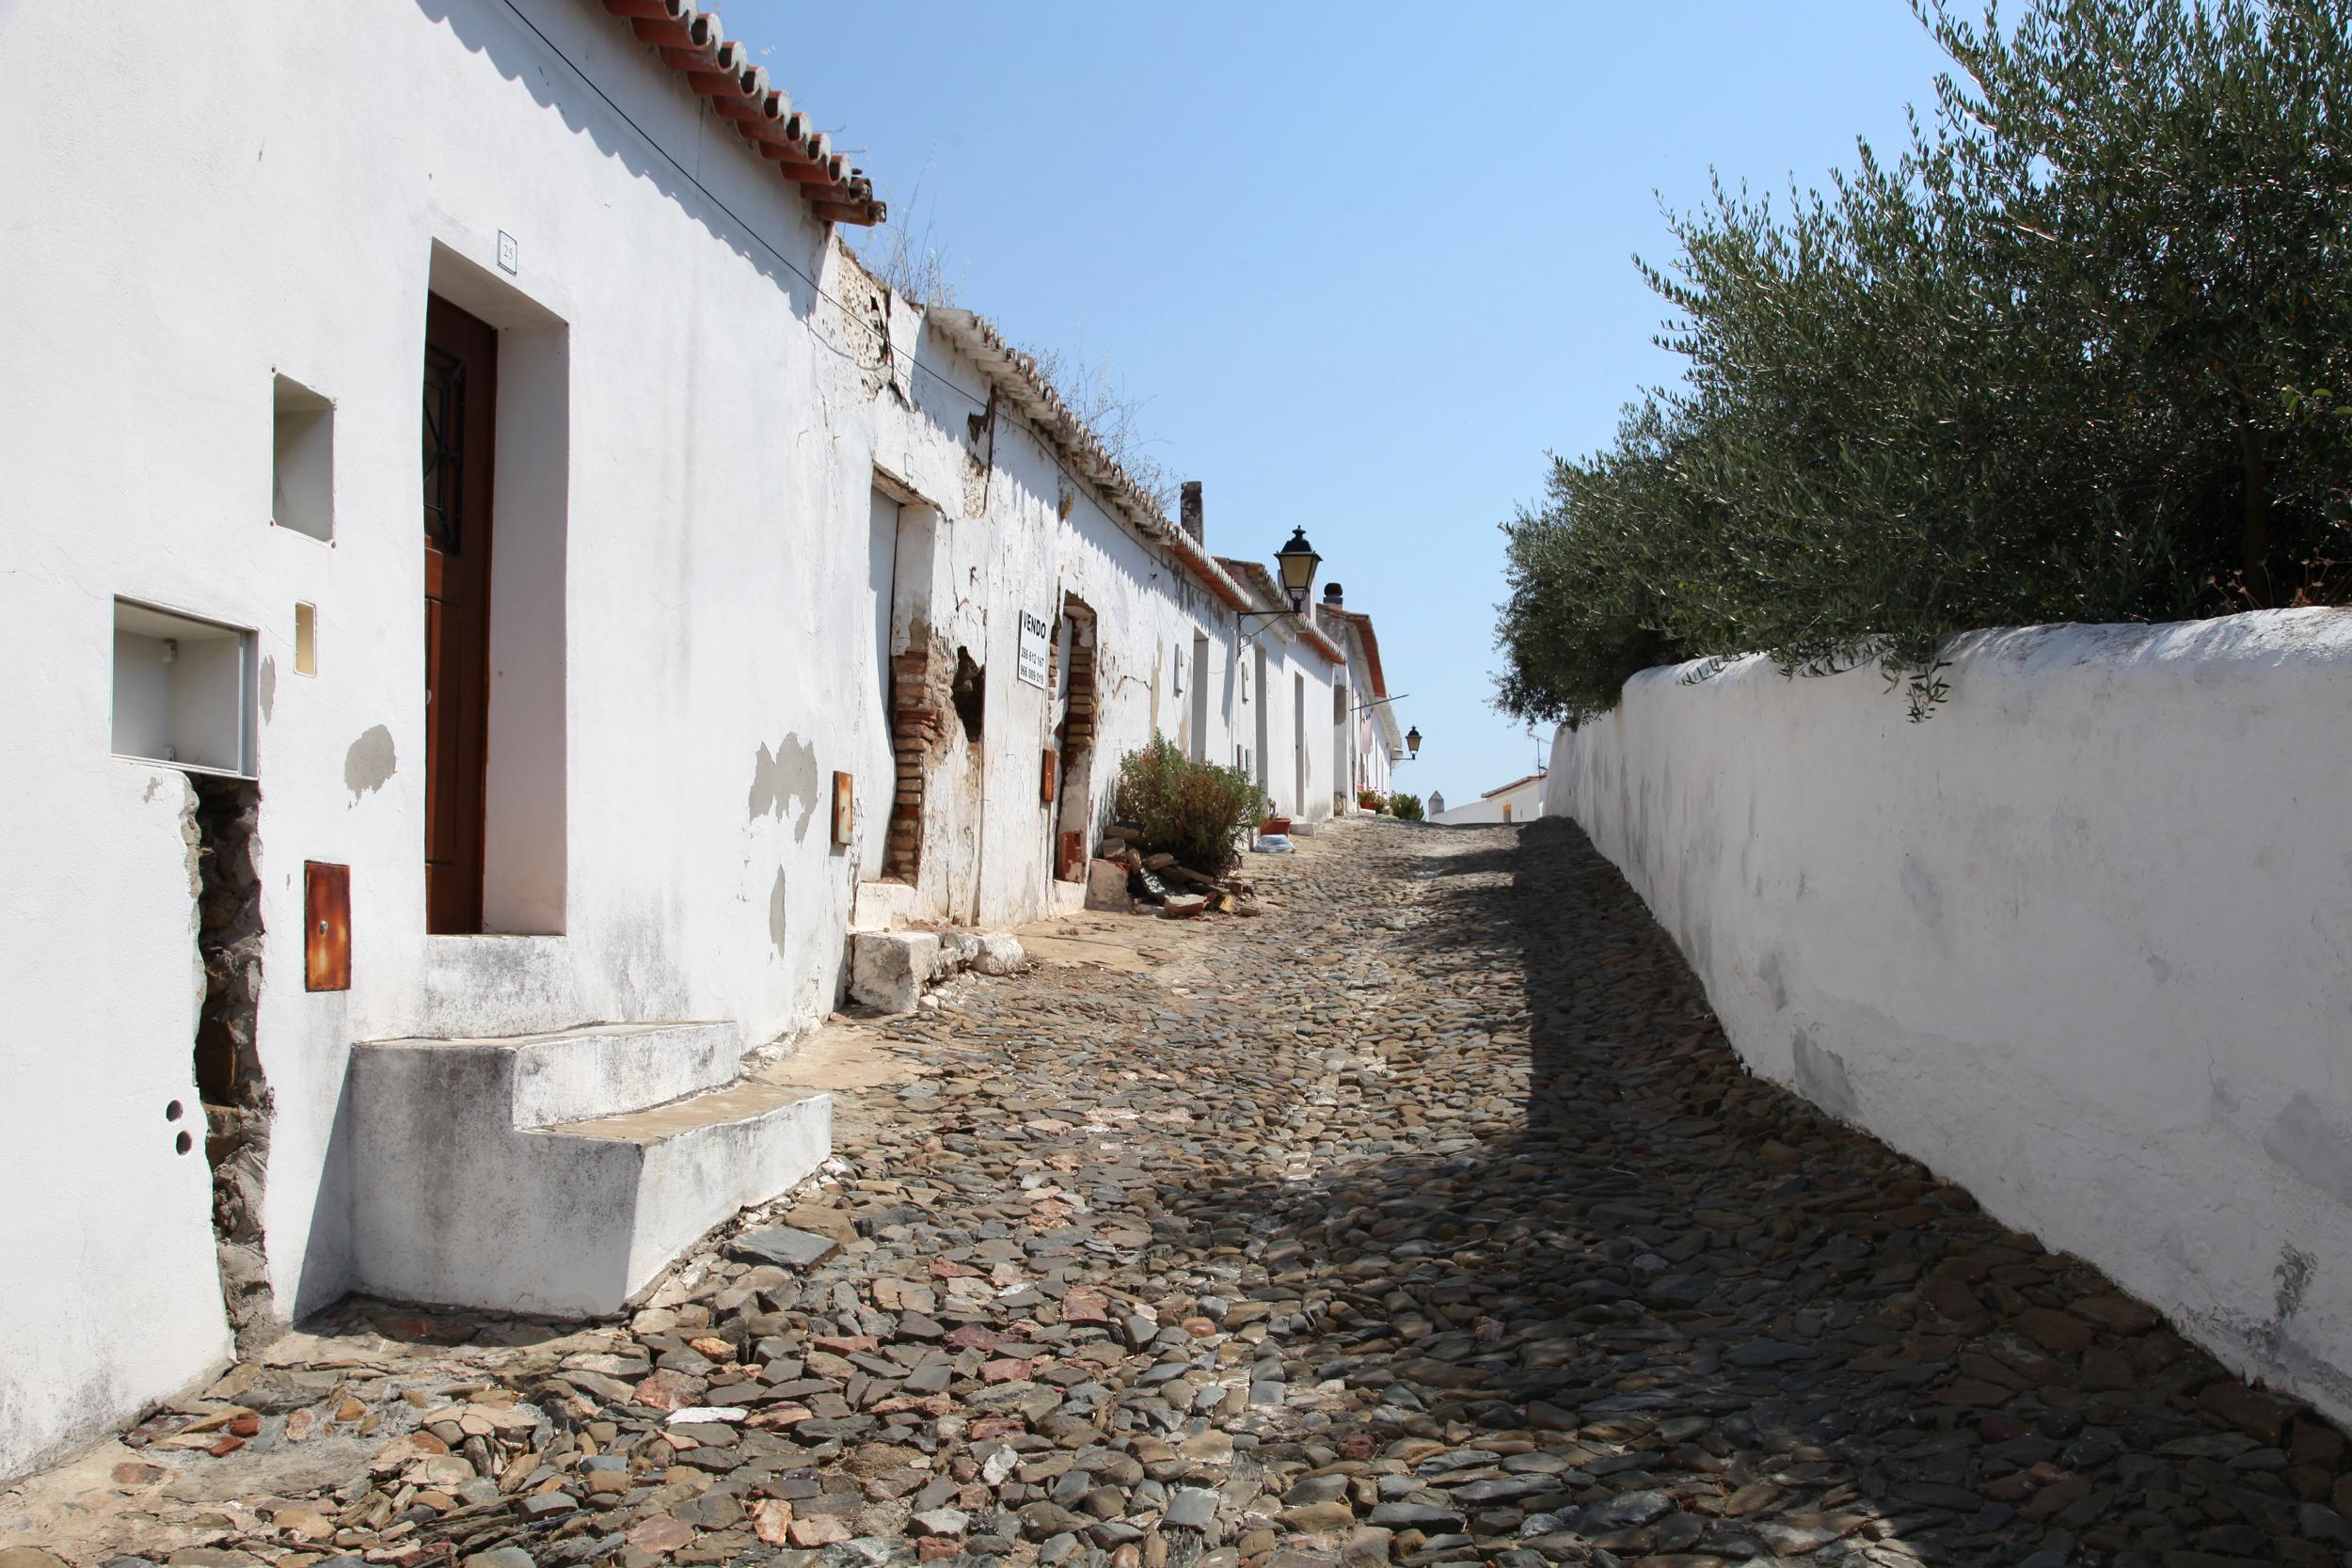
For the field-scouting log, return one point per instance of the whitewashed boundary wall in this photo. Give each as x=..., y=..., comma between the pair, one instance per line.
x=2082, y=941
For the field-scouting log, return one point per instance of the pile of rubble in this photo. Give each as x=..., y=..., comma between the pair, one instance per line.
x=1124, y=878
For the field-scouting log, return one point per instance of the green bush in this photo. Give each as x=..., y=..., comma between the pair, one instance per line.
x=2081, y=353
x=1194, y=811
x=1406, y=808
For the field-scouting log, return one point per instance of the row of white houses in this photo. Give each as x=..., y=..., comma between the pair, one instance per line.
x=496, y=588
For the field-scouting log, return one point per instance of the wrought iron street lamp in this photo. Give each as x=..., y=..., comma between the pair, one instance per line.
x=1412, y=743
x=1299, y=562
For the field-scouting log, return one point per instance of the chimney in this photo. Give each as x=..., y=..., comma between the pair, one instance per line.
x=1189, y=513
x=1333, y=599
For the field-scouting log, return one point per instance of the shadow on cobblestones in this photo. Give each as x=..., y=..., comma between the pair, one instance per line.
x=1635, y=1302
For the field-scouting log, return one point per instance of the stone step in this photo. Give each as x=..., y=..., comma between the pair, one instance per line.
x=596, y=1069
x=558, y=1174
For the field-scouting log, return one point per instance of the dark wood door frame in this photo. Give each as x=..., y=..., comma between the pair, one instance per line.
x=460, y=434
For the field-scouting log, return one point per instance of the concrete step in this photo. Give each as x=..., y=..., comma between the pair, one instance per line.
x=593, y=1070
x=692, y=1163
x=551, y=1173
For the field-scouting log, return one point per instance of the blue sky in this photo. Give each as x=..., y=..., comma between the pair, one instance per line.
x=1366, y=264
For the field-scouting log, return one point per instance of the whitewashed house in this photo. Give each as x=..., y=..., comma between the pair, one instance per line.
x=1368, y=734
x=1285, y=740
x=497, y=590
x=1521, y=801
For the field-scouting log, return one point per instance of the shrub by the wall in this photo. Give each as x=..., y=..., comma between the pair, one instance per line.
x=1194, y=811
x=1406, y=808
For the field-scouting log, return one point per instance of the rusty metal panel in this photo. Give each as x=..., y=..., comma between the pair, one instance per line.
x=1050, y=771
x=844, y=808
x=326, y=927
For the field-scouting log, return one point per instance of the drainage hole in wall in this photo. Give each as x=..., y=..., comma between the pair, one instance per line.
x=173, y=1111
x=183, y=1143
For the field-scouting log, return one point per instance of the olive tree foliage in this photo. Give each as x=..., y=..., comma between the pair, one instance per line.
x=2083, y=351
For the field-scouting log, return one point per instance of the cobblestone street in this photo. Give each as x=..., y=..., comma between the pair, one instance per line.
x=1427, y=1219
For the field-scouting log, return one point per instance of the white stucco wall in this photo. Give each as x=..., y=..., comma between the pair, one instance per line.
x=690, y=577
x=2081, y=940
x=290, y=224
x=1296, y=768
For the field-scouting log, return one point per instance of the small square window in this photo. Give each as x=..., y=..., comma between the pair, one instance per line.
x=302, y=469
x=183, y=690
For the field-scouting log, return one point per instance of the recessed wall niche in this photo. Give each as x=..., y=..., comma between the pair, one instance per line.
x=302, y=467
x=183, y=690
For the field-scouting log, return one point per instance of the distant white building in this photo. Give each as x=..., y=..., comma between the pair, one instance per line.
x=1437, y=802
x=1521, y=801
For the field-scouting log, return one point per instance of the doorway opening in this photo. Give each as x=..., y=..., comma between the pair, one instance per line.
x=1073, y=740
x=497, y=483
x=1342, y=753
x=1260, y=697
x=920, y=676
x=1298, y=744
x=1199, y=697
x=460, y=443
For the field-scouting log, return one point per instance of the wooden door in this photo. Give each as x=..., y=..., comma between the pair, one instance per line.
x=460, y=402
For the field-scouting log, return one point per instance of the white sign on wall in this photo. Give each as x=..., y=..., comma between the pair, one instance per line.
x=1035, y=639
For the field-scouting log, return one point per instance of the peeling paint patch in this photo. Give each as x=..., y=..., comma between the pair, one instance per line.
x=1821, y=1078
x=370, y=763
x=775, y=912
x=269, y=685
x=783, y=778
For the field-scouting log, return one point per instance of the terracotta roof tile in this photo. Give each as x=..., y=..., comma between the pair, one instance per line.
x=1362, y=623
x=692, y=43
x=1269, y=594
x=1515, y=784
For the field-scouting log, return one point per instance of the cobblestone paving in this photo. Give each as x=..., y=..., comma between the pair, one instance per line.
x=1432, y=1222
